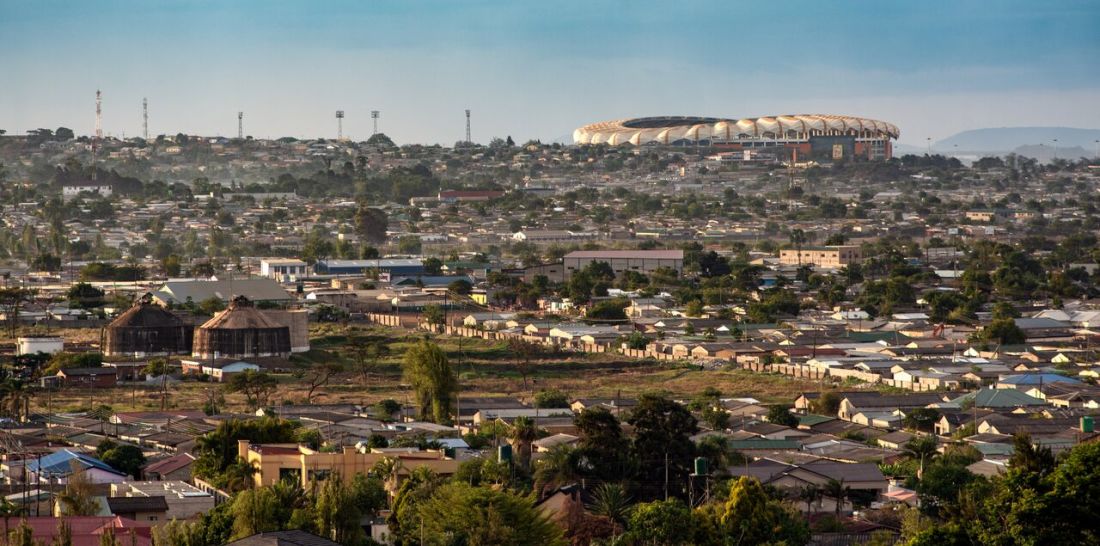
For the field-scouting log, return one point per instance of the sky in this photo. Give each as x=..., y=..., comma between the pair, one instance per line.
x=537, y=70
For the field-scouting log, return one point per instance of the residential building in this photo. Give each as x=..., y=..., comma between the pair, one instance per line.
x=283, y=269
x=274, y=462
x=638, y=261
x=822, y=256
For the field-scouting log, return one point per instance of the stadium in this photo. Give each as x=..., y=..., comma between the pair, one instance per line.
x=802, y=136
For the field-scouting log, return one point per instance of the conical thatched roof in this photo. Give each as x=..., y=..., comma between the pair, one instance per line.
x=240, y=315
x=146, y=329
x=241, y=331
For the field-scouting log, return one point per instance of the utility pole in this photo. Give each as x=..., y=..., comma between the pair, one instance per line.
x=666, y=475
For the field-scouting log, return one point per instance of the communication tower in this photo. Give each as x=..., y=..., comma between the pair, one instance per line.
x=98, y=129
x=339, y=125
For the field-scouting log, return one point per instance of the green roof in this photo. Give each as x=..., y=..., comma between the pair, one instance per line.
x=994, y=449
x=812, y=419
x=764, y=444
x=870, y=337
x=999, y=398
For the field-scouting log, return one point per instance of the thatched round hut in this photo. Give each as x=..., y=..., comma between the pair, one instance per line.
x=147, y=329
x=241, y=331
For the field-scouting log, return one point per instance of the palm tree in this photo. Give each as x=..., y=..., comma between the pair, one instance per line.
x=798, y=238
x=524, y=434
x=557, y=468
x=809, y=494
x=612, y=501
x=922, y=448
x=15, y=396
x=837, y=490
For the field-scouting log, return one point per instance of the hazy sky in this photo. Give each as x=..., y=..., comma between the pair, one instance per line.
x=539, y=69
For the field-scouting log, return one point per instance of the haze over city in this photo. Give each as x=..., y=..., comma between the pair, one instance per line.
x=537, y=70
x=577, y=273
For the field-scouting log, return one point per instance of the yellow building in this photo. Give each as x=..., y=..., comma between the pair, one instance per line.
x=822, y=256
x=275, y=462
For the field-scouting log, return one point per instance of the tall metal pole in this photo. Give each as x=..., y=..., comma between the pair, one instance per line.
x=145, y=119
x=98, y=129
x=240, y=125
x=374, y=117
x=468, y=139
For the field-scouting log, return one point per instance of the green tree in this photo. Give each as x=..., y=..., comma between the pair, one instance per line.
x=781, y=415
x=921, y=419
x=612, y=501
x=922, y=449
x=340, y=507
x=523, y=434
x=1003, y=331
x=603, y=450
x=84, y=296
x=217, y=450
x=457, y=513
x=662, y=440
x=371, y=224
x=433, y=314
x=427, y=369
x=661, y=523
x=255, y=511
x=78, y=498
x=754, y=517
x=125, y=458
x=551, y=398
x=1029, y=458
x=256, y=387
x=608, y=310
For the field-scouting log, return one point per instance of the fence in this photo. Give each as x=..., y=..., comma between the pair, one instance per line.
x=748, y=363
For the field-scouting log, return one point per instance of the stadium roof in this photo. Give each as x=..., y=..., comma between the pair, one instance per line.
x=670, y=129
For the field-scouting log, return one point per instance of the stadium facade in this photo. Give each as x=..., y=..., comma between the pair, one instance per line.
x=801, y=136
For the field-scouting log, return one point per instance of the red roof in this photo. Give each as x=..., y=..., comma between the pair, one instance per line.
x=87, y=530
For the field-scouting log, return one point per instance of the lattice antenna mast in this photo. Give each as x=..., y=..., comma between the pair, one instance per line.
x=98, y=130
x=145, y=118
x=339, y=125
x=374, y=118
x=240, y=125
x=468, y=139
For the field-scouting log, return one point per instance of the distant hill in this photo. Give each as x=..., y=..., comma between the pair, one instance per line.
x=1007, y=139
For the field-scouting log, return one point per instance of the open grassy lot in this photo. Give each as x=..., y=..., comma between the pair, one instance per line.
x=485, y=368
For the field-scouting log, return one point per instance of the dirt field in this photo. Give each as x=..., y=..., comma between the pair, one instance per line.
x=485, y=369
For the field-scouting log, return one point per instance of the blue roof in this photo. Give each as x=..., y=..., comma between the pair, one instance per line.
x=59, y=463
x=1037, y=378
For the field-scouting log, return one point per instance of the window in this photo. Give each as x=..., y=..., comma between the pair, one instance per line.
x=293, y=475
